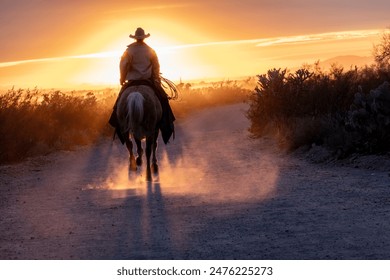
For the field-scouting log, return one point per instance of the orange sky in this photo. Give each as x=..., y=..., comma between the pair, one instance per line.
x=72, y=43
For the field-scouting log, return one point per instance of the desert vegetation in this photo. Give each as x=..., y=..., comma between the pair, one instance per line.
x=345, y=110
x=36, y=122
x=33, y=122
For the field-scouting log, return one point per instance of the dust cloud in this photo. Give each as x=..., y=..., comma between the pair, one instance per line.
x=209, y=161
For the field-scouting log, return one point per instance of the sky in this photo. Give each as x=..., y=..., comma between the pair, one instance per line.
x=79, y=42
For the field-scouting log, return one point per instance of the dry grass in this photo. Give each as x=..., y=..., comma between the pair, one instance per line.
x=193, y=98
x=36, y=122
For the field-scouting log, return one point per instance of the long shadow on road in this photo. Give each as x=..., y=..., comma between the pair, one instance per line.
x=144, y=232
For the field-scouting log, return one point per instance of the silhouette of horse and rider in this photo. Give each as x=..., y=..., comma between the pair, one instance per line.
x=142, y=106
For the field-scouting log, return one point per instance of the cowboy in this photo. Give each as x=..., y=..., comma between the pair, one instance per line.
x=139, y=65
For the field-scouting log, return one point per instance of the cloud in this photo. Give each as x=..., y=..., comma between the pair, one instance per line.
x=261, y=42
x=56, y=59
x=288, y=40
x=302, y=39
x=207, y=44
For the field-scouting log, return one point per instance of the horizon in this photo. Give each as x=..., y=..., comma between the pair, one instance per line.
x=91, y=41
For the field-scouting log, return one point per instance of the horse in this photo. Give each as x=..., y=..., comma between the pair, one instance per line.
x=139, y=112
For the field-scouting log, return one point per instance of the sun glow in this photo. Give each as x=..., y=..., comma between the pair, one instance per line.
x=54, y=44
x=102, y=67
x=184, y=54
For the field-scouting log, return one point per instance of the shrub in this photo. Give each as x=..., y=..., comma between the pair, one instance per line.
x=33, y=123
x=381, y=50
x=369, y=119
x=311, y=106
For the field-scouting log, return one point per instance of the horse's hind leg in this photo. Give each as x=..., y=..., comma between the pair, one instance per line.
x=140, y=151
x=149, y=143
x=154, y=149
x=129, y=146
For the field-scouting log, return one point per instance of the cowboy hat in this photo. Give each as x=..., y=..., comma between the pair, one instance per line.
x=139, y=34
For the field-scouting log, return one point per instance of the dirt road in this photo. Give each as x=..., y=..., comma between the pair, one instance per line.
x=219, y=195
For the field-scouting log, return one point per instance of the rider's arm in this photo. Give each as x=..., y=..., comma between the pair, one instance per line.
x=124, y=65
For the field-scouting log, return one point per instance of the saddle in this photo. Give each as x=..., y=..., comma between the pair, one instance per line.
x=165, y=125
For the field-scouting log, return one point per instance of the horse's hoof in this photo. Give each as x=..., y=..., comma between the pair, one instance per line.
x=155, y=168
x=139, y=161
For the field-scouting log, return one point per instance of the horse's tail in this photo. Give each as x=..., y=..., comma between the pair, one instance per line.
x=135, y=111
